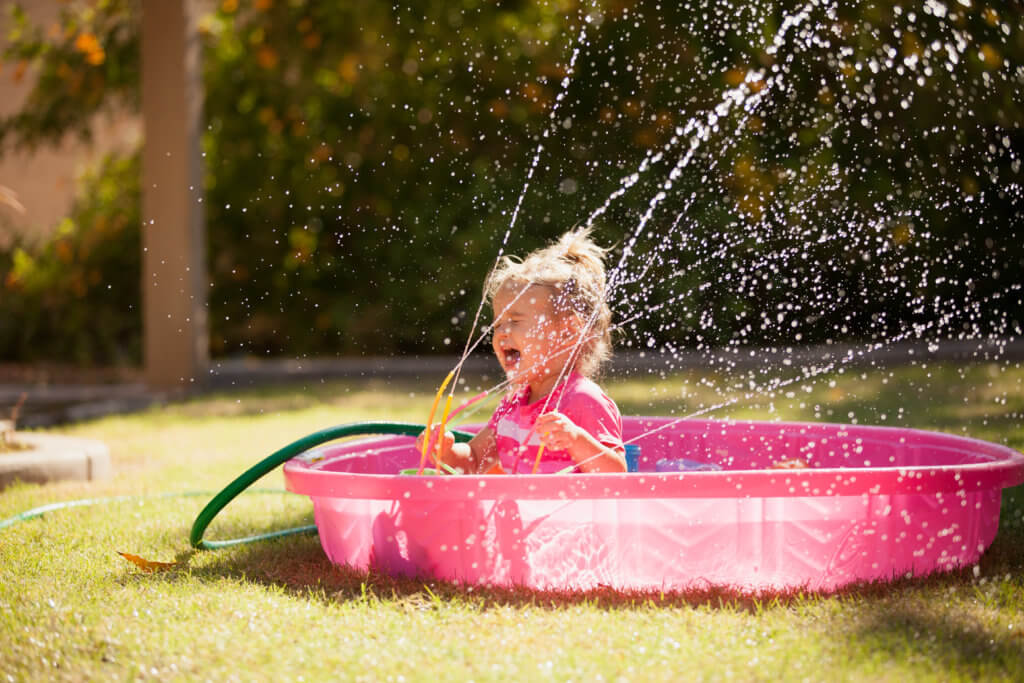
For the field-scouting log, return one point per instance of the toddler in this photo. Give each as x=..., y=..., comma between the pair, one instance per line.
x=552, y=331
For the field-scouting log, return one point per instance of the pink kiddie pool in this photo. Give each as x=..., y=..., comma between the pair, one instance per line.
x=874, y=503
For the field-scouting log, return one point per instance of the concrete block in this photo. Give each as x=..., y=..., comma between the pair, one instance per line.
x=54, y=458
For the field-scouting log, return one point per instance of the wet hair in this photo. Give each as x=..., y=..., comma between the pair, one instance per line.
x=573, y=268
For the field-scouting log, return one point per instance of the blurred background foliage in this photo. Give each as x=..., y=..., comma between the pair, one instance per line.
x=363, y=162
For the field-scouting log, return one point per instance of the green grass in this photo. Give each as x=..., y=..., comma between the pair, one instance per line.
x=71, y=609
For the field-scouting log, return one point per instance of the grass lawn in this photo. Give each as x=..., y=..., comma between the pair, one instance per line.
x=71, y=608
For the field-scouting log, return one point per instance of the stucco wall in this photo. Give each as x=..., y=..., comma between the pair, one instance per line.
x=43, y=181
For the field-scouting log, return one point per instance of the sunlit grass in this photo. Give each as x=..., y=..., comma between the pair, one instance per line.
x=70, y=608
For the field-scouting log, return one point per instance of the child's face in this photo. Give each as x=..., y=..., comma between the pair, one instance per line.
x=531, y=342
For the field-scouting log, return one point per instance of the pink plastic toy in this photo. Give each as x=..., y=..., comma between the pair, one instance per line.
x=873, y=503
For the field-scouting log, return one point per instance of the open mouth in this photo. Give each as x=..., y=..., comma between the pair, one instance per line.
x=511, y=358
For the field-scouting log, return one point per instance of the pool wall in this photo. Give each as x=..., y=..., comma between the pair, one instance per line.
x=874, y=503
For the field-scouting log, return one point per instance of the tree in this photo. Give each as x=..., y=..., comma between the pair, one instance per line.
x=850, y=174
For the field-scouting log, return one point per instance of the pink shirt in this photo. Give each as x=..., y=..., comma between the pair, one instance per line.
x=579, y=399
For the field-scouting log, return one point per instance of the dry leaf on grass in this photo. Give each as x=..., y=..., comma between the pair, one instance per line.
x=147, y=565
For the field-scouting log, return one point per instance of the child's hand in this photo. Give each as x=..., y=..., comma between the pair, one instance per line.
x=558, y=432
x=446, y=444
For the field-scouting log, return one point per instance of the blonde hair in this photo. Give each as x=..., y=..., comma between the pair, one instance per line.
x=573, y=267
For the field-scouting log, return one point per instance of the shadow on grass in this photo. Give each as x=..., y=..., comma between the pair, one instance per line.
x=943, y=638
x=298, y=565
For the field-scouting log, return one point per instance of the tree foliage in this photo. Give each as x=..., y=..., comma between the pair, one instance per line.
x=85, y=64
x=365, y=160
x=76, y=297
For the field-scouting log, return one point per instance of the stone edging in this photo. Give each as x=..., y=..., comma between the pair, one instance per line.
x=54, y=458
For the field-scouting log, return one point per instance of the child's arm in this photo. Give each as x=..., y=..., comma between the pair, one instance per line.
x=474, y=457
x=559, y=432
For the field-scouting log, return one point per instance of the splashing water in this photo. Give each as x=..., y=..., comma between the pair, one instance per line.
x=777, y=230
x=801, y=261
x=552, y=119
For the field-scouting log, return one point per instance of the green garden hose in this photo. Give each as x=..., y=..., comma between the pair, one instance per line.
x=87, y=502
x=279, y=457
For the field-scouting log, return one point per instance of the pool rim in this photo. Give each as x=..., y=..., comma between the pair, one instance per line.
x=306, y=474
